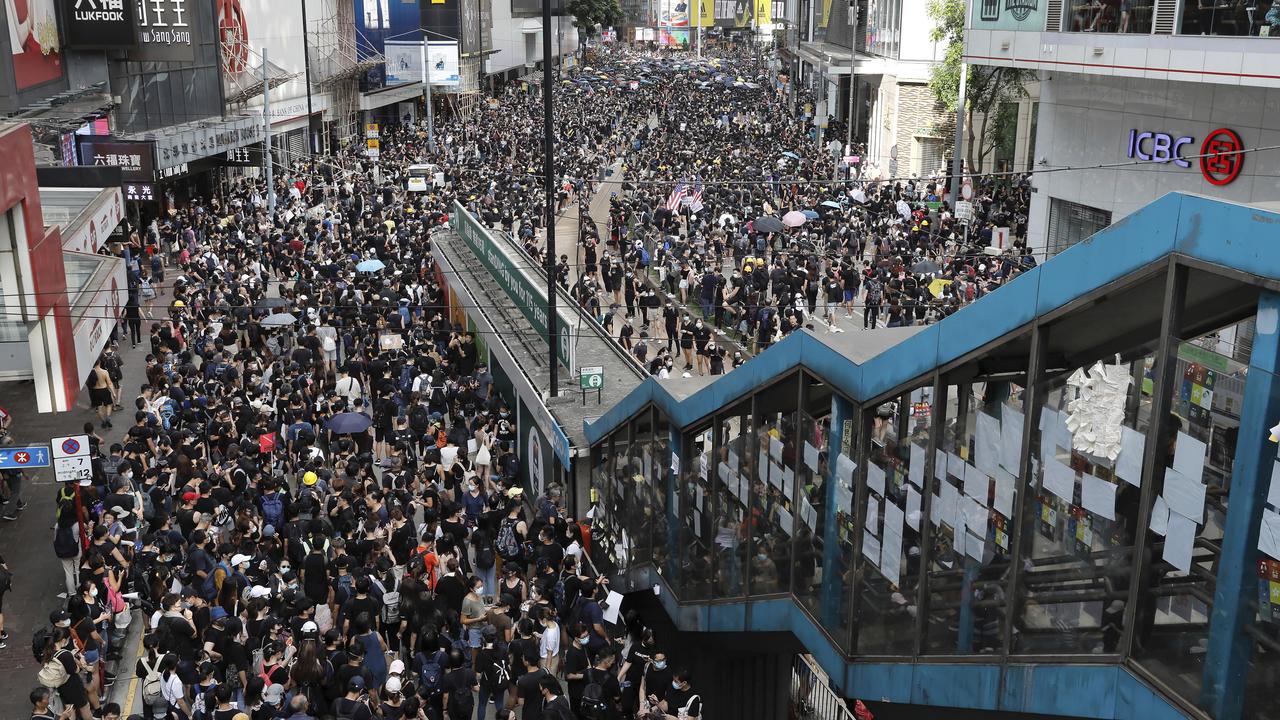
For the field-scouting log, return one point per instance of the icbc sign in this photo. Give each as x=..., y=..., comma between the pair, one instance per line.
x=1221, y=154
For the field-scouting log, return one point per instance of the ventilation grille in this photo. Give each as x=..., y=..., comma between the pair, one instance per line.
x=1053, y=16
x=1165, y=17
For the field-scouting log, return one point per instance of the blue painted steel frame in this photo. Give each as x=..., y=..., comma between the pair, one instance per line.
x=1236, y=237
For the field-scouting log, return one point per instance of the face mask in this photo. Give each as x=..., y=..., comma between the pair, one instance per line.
x=471, y=487
x=675, y=685
x=762, y=556
x=93, y=592
x=127, y=476
x=478, y=589
x=584, y=639
x=660, y=664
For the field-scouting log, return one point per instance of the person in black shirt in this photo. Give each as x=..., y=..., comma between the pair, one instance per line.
x=458, y=686
x=528, y=692
x=681, y=701
x=576, y=664
x=602, y=674
x=355, y=704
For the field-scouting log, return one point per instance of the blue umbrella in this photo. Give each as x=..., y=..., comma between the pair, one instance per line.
x=791, y=155
x=812, y=215
x=830, y=204
x=370, y=266
x=349, y=422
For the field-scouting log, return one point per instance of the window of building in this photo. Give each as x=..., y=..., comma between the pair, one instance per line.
x=1069, y=223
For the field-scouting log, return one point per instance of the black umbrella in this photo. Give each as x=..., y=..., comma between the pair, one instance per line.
x=926, y=267
x=271, y=303
x=767, y=224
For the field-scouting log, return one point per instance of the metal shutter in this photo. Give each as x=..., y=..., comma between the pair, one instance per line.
x=1165, y=16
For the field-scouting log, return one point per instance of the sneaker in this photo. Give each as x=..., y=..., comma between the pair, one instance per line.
x=9, y=517
x=4, y=635
x=22, y=505
x=3, y=644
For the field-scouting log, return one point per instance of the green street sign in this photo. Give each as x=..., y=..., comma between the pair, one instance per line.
x=591, y=378
x=526, y=290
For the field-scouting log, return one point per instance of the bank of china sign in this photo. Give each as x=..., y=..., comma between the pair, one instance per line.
x=99, y=23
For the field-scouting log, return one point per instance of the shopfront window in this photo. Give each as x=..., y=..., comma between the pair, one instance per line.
x=733, y=495
x=1109, y=16
x=1208, y=17
x=618, y=495
x=772, y=500
x=1188, y=516
x=693, y=544
x=1263, y=626
x=839, y=543
x=888, y=569
x=973, y=496
x=1079, y=524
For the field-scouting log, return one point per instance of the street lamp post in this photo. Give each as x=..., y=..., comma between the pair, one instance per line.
x=548, y=169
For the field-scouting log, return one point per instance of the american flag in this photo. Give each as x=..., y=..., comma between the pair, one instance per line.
x=677, y=195
x=695, y=198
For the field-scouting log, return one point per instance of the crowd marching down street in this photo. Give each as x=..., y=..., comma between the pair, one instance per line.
x=314, y=523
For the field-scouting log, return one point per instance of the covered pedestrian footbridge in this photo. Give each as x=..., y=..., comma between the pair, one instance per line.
x=1058, y=500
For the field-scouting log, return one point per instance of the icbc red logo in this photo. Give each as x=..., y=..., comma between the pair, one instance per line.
x=1221, y=156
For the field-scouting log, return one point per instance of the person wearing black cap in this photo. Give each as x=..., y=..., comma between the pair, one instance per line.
x=355, y=704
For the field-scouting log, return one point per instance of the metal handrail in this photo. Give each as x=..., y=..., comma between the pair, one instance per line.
x=811, y=695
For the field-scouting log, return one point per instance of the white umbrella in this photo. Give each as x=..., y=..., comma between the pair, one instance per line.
x=726, y=218
x=858, y=196
x=795, y=218
x=904, y=209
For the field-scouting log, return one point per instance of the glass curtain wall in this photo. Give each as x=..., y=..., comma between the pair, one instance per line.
x=694, y=544
x=1079, y=524
x=974, y=492
x=772, y=500
x=889, y=563
x=733, y=444
x=1188, y=513
x=811, y=478
x=659, y=491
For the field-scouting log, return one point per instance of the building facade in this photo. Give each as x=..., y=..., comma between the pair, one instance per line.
x=1145, y=101
x=873, y=76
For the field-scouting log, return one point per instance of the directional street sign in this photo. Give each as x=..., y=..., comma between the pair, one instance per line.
x=21, y=458
x=71, y=461
x=591, y=378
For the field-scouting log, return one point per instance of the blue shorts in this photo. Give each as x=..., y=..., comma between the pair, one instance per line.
x=473, y=637
x=848, y=296
x=90, y=657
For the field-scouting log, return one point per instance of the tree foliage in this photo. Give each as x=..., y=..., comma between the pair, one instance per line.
x=588, y=13
x=986, y=89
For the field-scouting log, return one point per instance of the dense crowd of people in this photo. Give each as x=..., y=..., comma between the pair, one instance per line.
x=317, y=502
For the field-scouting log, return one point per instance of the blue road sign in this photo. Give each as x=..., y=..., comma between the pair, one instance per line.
x=20, y=458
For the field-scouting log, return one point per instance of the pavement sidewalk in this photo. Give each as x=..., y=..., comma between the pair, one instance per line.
x=27, y=543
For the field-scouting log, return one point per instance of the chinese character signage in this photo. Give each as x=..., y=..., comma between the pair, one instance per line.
x=140, y=192
x=248, y=156
x=135, y=159
x=164, y=30
x=99, y=23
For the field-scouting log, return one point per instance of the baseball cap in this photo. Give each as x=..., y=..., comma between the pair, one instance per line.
x=190, y=496
x=393, y=684
x=355, y=683
x=60, y=616
x=397, y=667
x=309, y=627
x=240, y=559
x=274, y=693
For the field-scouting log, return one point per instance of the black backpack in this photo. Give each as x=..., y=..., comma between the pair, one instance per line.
x=593, y=705
x=461, y=704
